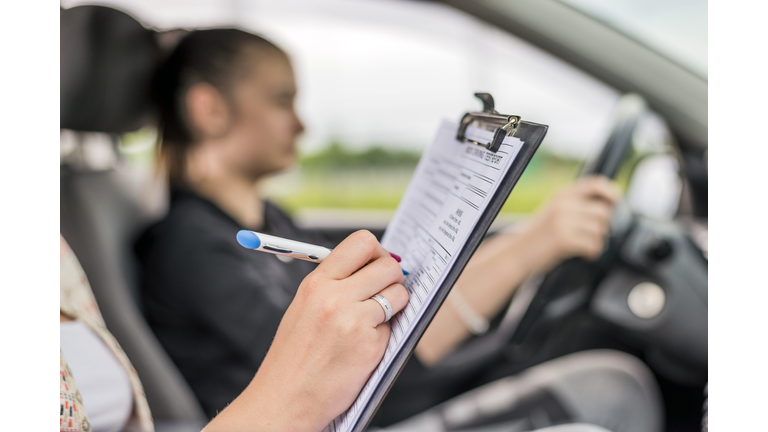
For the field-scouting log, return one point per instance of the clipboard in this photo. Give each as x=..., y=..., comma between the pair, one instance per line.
x=502, y=126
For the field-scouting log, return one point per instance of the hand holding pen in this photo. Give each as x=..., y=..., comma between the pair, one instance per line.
x=290, y=248
x=328, y=343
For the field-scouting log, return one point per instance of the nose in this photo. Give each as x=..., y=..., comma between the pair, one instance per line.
x=299, y=124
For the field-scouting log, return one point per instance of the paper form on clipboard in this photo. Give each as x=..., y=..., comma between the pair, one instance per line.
x=451, y=188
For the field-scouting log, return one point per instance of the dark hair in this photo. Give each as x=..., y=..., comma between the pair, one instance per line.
x=217, y=57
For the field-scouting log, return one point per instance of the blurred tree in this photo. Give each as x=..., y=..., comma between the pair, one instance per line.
x=337, y=156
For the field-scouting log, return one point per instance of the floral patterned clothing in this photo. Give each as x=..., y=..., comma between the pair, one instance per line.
x=77, y=302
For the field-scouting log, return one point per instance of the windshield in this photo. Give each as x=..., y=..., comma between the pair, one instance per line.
x=675, y=29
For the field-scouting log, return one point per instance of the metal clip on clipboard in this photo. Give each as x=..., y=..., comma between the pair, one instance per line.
x=501, y=125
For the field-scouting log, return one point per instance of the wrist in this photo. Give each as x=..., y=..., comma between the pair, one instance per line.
x=259, y=410
x=539, y=248
x=282, y=410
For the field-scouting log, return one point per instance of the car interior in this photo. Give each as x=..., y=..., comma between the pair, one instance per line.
x=104, y=76
x=646, y=295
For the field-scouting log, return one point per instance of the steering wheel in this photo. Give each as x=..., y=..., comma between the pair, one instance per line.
x=570, y=284
x=654, y=254
x=567, y=287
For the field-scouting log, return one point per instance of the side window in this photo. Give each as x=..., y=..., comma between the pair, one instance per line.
x=375, y=80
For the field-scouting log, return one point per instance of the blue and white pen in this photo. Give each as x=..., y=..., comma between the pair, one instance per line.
x=291, y=248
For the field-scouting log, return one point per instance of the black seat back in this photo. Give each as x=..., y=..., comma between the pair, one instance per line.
x=107, y=59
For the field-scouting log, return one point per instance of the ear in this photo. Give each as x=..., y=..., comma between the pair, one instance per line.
x=209, y=113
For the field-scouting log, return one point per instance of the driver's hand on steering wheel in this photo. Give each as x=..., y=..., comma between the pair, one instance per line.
x=574, y=222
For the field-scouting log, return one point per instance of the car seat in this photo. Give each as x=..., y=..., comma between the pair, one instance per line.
x=107, y=59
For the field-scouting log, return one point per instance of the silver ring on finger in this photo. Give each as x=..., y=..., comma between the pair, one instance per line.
x=380, y=299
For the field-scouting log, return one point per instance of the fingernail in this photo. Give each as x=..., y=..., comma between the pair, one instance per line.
x=396, y=257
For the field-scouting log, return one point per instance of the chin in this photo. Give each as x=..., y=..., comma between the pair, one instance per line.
x=284, y=166
x=290, y=161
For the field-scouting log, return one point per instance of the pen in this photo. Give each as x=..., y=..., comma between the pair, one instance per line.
x=291, y=248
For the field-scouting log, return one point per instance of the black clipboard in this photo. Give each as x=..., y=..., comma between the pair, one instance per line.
x=532, y=134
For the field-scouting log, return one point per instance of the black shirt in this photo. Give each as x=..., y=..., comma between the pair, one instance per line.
x=214, y=305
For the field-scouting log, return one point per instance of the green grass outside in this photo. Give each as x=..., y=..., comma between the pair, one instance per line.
x=382, y=188
x=376, y=179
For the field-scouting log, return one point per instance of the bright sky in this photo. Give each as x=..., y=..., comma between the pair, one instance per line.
x=385, y=72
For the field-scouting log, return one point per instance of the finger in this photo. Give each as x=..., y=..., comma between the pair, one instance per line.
x=591, y=242
x=600, y=187
x=581, y=223
x=355, y=251
x=591, y=228
x=373, y=313
x=376, y=276
x=384, y=331
x=596, y=211
x=595, y=248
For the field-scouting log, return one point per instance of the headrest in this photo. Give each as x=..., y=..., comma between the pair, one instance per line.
x=107, y=61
